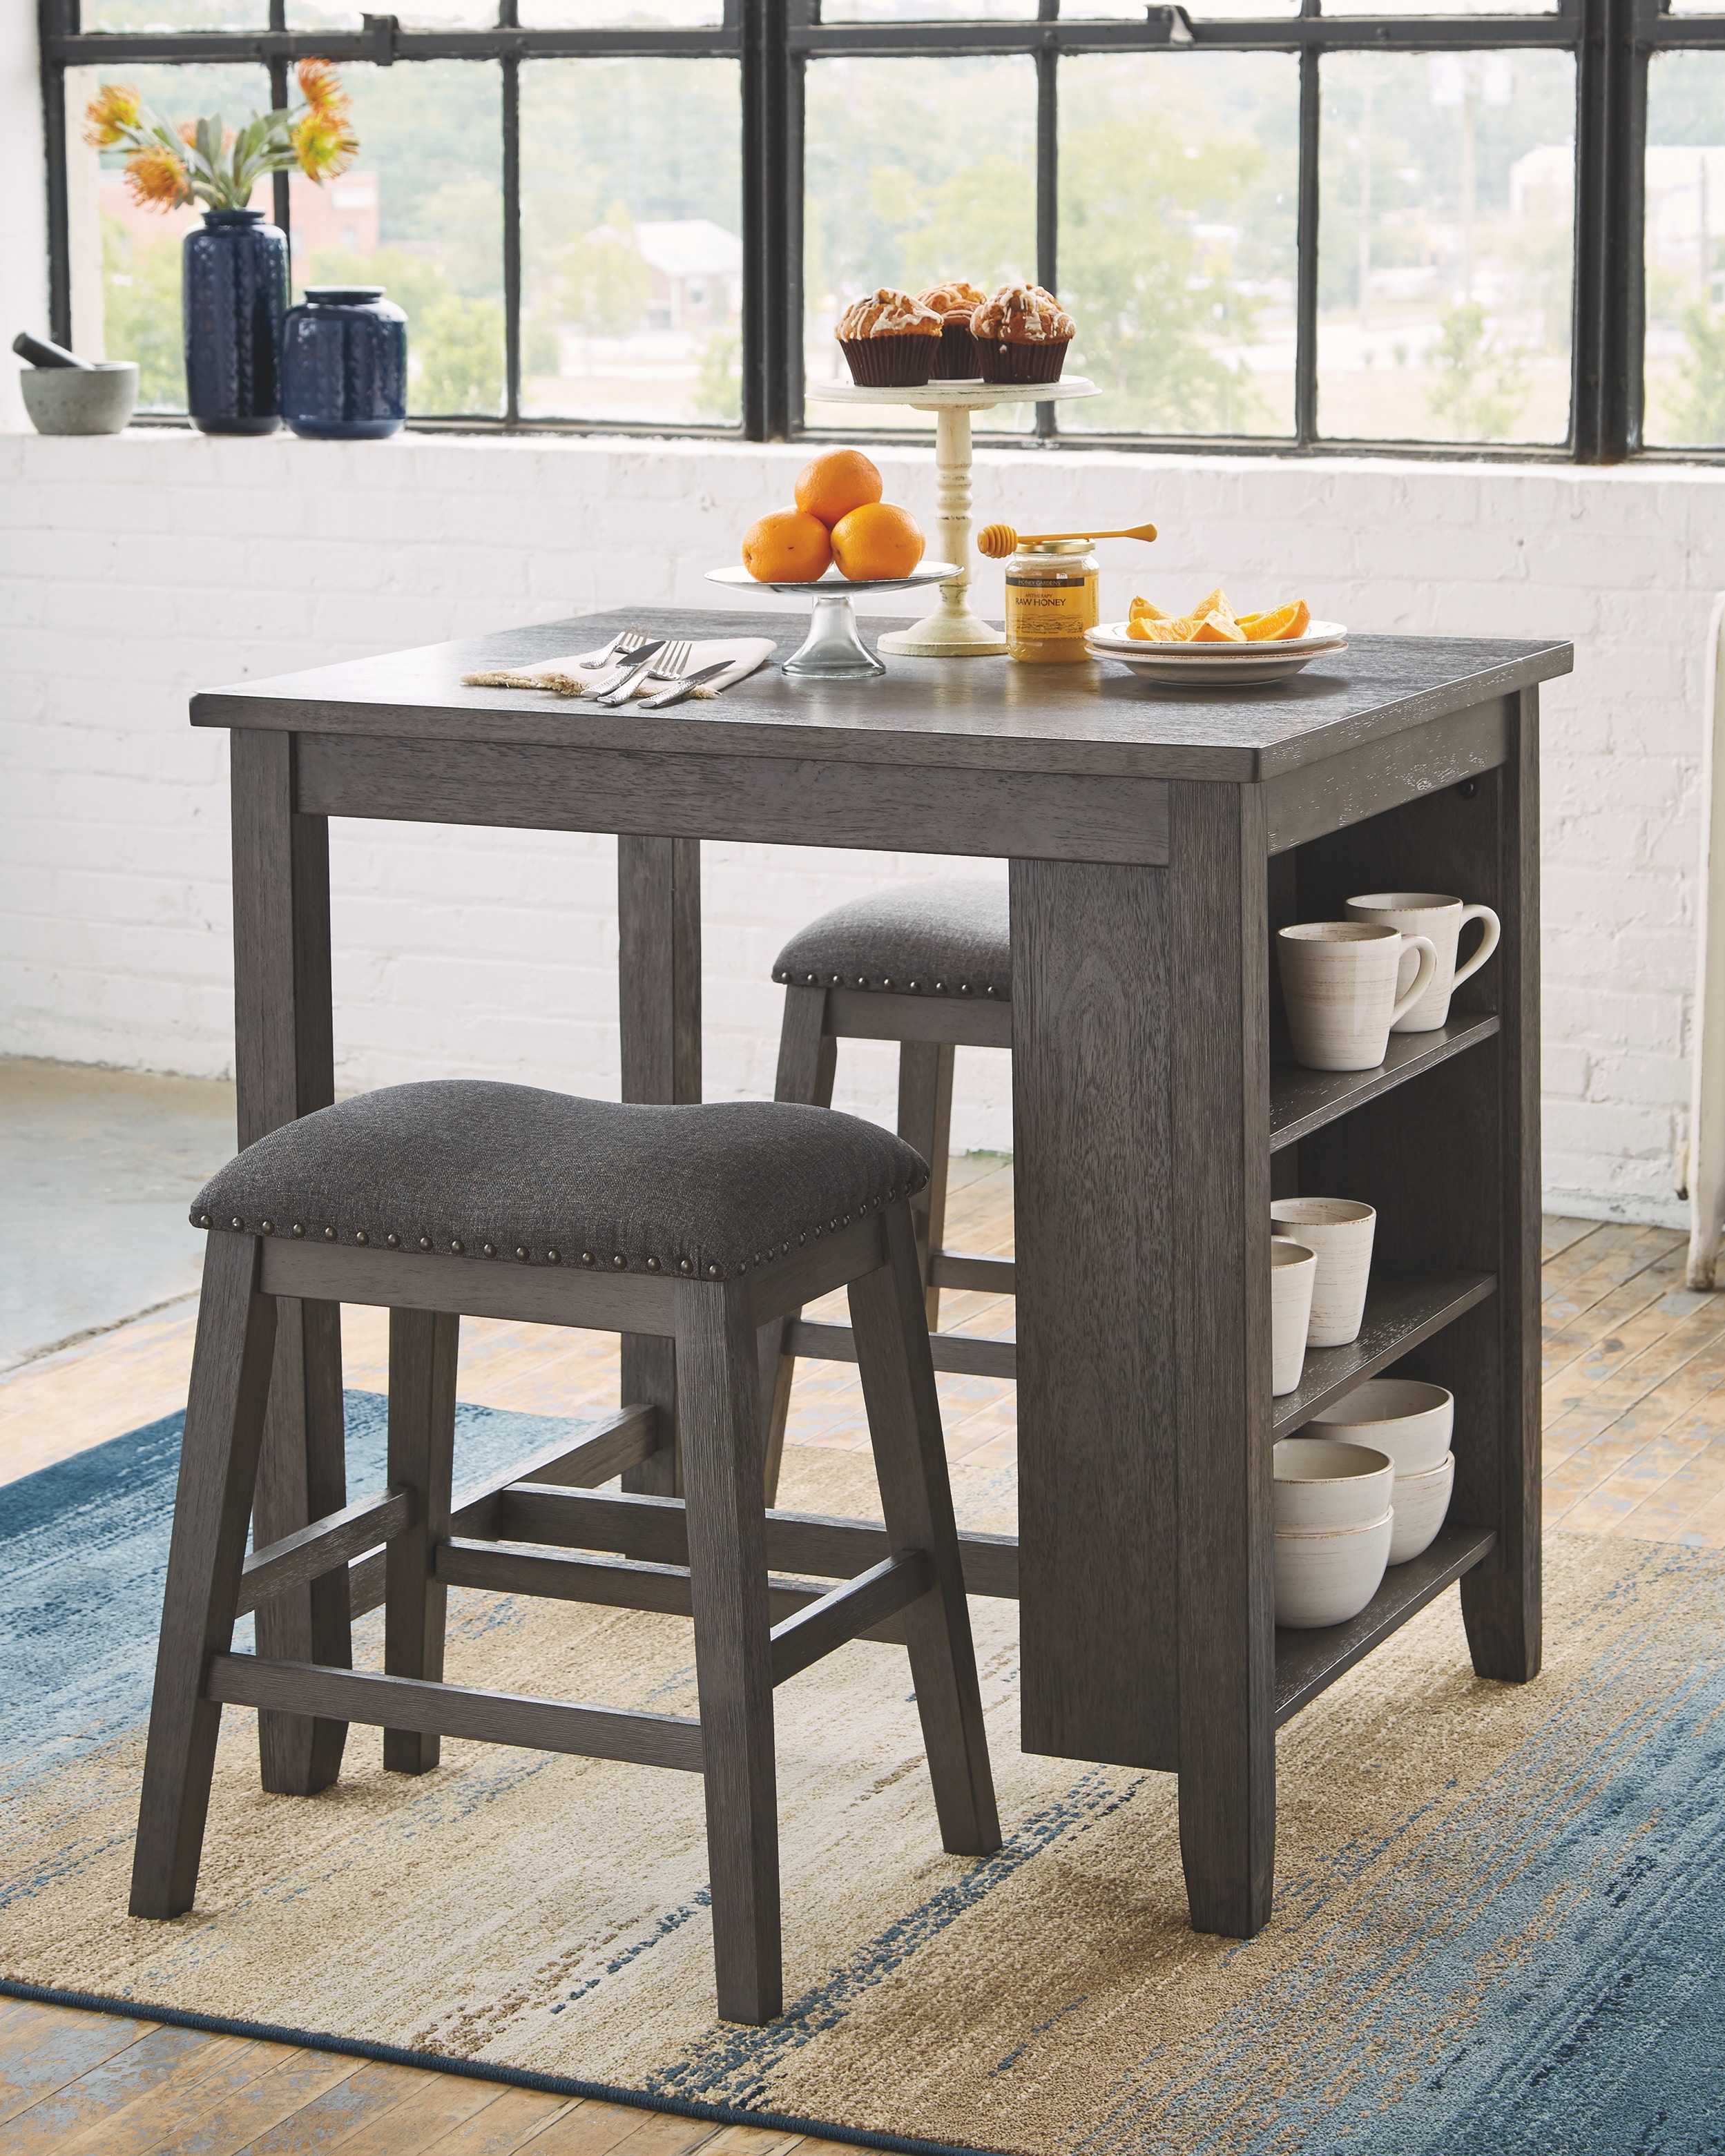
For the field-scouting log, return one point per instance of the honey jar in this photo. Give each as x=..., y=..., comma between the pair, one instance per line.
x=1052, y=598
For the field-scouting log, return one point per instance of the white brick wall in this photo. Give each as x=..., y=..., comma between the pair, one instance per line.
x=140, y=567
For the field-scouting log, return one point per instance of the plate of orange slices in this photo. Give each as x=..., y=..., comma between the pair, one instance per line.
x=1210, y=643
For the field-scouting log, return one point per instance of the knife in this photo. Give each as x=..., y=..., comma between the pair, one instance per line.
x=678, y=690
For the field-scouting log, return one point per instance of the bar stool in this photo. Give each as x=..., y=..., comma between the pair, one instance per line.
x=697, y=1224
x=929, y=966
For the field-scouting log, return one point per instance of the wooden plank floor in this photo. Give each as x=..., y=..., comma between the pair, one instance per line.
x=79, y=2084
x=1634, y=1437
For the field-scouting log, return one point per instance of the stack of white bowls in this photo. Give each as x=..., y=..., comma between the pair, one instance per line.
x=1412, y=1422
x=1334, y=1518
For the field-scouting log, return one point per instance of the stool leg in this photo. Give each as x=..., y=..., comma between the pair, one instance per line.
x=910, y=1461
x=808, y=1057
x=424, y=1345
x=218, y=1466
x=718, y=1382
x=925, y=1122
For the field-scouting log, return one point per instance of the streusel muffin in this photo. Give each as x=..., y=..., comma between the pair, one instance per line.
x=889, y=340
x=955, y=301
x=1021, y=335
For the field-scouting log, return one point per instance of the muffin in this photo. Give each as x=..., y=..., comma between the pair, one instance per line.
x=955, y=301
x=889, y=338
x=1021, y=335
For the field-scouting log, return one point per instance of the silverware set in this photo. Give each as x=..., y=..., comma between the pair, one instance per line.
x=633, y=658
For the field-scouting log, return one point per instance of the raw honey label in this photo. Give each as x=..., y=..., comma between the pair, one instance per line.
x=1051, y=607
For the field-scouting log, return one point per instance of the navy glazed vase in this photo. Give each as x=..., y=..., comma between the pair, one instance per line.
x=233, y=296
x=344, y=364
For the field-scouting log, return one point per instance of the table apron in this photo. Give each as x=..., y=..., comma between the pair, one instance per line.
x=774, y=801
x=1358, y=783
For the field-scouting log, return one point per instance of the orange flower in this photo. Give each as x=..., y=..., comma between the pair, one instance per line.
x=156, y=179
x=321, y=87
x=111, y=115
x=324, y=144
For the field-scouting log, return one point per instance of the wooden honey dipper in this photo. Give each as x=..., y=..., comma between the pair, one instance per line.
x=997, y=540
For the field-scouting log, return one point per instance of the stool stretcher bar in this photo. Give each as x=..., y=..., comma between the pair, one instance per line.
x=445, y=1710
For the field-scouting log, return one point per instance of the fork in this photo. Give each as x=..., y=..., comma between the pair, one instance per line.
x=614, y=657
x=665, y=664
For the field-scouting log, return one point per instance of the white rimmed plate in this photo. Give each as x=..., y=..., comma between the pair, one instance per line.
x=1243, y=666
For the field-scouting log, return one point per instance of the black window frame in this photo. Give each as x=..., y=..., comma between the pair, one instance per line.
x=772, y=42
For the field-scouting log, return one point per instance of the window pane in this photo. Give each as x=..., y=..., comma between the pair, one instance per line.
x=1446, y=251
x=411, y=14
x=631, y=251
x=1685, y=251
x=421, y=214
x=140, y=247
x=1438, y=8
x=175, y=15
x=928, y=11
x=1177, y=240
x=597, y=14
x=917, y=171
x=1201, y=11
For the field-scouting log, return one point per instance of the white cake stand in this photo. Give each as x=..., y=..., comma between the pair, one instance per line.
x=952, y=631
x=832, y=650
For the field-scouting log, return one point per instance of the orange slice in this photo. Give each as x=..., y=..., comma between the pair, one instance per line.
x=1280, y=623
x=1214, y=602
x=1216, y=628
x=1143, y=610
x=1147, y=631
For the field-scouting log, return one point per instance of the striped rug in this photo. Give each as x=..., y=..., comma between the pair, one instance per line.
x=1498, y=1915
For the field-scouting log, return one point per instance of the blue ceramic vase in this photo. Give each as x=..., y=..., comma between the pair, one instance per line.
x=344, y=364
x=233, y=295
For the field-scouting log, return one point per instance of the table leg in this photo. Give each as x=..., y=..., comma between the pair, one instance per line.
x=1139, y=1043
x=659, y=1015
x=285, y=1066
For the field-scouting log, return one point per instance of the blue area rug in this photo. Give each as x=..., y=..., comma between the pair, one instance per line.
x=90, y=1533
x=1500, y=1912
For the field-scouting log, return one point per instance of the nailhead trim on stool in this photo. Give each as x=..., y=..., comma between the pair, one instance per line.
x=717, y=1186
x=949, y=939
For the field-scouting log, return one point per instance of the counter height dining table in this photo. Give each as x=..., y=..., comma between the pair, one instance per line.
x=1156, y=839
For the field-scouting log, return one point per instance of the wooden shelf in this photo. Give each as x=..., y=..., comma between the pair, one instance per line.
x=1302, y=1101
x=1307, y=1662
x=1402, y=1309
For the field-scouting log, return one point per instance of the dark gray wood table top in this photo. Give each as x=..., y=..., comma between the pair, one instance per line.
x=987, y=714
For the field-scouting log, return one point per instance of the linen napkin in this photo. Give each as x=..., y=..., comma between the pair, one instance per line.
x=570, y=676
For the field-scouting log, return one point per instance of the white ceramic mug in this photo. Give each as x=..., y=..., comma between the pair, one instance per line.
x=1339, y=985
x=1293, y=1270
x=1430, y=913
x=1340, y=1231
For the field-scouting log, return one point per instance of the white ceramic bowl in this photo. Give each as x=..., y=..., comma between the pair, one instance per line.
x=1411, y=1421
x=1326, y=1579
x=1420, y=1501
x=1320, y=1483
x=1293, y=1270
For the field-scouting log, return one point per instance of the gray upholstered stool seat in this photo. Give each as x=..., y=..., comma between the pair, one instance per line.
x=937, y=939
x=471, y=1168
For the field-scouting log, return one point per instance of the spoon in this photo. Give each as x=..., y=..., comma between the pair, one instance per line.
x=997, y=540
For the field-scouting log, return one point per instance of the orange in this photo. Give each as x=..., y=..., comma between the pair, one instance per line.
x=1213, y=602
x=1218, y=627
x=839, y=482
x=877, y=540
x=1143, y=610
x=787, y=546
x=1279, y=623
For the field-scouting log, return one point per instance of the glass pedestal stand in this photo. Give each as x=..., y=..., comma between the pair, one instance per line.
x=952, y=631
x=832, y=650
